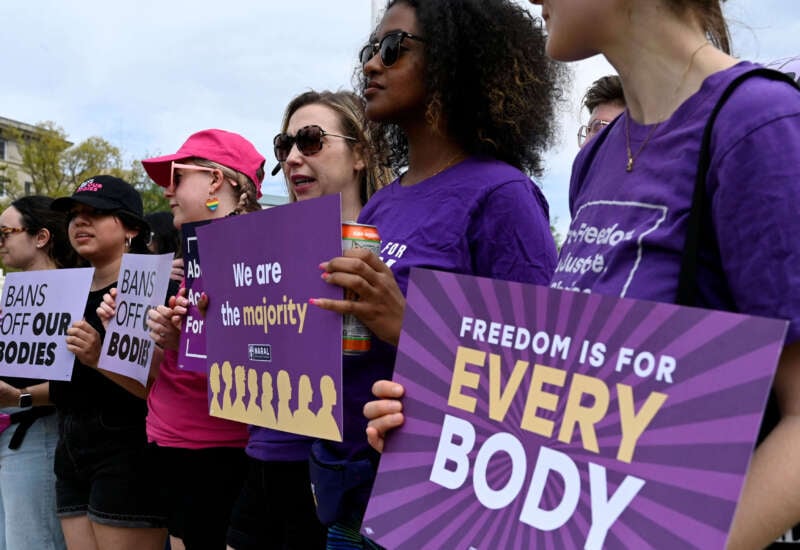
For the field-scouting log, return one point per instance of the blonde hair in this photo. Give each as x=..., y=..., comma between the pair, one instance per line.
x=248, y=194
x=349, y=109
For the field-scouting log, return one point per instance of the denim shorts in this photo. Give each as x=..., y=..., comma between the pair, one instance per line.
x=276, y=509
x=103, y=470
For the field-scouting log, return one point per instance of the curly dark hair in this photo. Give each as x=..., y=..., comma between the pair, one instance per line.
x=37, y=215
x=488, y=80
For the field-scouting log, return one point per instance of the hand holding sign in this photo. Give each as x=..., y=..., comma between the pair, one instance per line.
x=385, y=414
x=84, y=341
x=380, y=303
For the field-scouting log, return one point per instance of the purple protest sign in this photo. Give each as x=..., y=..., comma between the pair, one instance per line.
x=37, y=309
x=274, y=359
x=192, y=345
x=538, y=418
x=142, y=285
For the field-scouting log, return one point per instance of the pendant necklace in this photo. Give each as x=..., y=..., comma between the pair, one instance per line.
x=632, y=156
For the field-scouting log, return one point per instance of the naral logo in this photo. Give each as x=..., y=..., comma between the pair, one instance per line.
x=259, y=352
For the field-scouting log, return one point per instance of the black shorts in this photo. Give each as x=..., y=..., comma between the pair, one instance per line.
x=200, y=487
x=275, y=509
x=103, y=471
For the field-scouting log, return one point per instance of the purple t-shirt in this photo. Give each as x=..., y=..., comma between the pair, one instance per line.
x=628, y=229
x=481, y=217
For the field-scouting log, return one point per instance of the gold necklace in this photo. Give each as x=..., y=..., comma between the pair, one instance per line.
x=455, y=159
x=631, y=156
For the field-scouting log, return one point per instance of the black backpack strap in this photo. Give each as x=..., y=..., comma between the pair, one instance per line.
x=687, y=279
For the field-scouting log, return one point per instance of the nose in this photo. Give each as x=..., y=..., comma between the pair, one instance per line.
x=295, y=157
x=373, y=65
x=80, y=218
x=169, y=190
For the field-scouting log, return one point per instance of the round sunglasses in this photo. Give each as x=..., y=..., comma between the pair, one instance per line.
x=307, y=138
x=389, y=48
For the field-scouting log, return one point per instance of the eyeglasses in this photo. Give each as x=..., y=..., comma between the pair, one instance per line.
x=308, y=140
x=389, y=48
x=175, y=182
x=588, y=131
x=6, y=231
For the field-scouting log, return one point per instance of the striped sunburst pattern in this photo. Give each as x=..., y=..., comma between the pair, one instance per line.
x=691, y=457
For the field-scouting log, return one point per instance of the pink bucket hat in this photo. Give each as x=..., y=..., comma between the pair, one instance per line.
x=225, y=148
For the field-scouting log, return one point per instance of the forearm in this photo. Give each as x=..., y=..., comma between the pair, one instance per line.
x=770, y=500
x=9, y=395
x=40, y=394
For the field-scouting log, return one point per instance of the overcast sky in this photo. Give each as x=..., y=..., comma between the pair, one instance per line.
x=146, y=74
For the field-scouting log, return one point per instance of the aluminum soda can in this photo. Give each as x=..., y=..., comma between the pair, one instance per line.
x=355, y=336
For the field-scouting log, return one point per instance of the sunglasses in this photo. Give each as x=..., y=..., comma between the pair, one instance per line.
x=174, y=182
x=308, y=140
x=389, y=48
x=5, y=232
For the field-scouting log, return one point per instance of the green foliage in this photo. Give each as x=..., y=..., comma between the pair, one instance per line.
x=152, y=194
x=55, y=167
x=557, y=237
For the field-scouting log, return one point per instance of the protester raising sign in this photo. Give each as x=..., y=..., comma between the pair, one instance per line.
x=540, y=418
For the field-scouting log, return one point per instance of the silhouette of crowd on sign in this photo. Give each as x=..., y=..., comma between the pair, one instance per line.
x=236, y=394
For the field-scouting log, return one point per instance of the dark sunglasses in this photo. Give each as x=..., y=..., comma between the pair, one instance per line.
x=307, y=138
x=389, y=48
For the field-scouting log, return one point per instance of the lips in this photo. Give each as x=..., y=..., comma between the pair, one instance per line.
x=302, y=183
x=371, y=88
x=82, y=236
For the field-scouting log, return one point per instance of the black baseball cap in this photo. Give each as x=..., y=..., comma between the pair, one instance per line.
x=106, y=193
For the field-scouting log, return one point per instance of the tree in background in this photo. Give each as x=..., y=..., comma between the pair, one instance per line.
x=55, y=167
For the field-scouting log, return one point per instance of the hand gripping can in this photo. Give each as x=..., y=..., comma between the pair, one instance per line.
x=355, y=336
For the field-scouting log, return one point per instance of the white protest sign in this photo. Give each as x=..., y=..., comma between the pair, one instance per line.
x=142, y=285
x=37, y=309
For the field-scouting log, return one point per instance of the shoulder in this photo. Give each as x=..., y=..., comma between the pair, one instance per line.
x=758, y=104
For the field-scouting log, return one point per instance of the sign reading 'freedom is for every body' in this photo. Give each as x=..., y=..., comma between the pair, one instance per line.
x=274, y=360
x=540, y=418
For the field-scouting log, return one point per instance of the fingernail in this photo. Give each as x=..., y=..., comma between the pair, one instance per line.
x=325, y=275
x=322, y=265
x=312, y=301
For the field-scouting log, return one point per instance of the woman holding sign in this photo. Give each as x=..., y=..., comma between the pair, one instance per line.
x=105, y=494
x=200, y=458
x=672, y=57
x=323, y=150
x=32, y=237
x=464, y=96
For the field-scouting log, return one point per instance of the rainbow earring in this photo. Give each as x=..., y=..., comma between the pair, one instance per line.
x=212, y=203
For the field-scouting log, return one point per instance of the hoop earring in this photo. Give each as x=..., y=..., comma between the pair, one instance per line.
x=212, y=203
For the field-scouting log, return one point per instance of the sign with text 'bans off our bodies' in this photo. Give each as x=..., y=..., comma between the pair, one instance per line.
x=37, y=309
x=274, y=360
x=141, y=286
x=538, y=418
